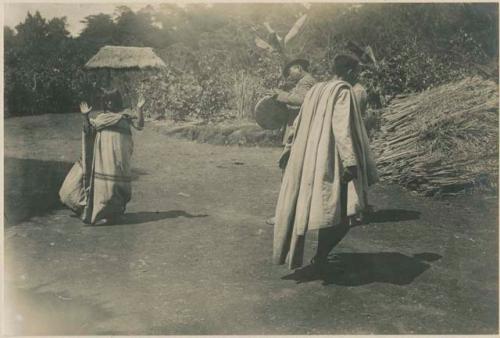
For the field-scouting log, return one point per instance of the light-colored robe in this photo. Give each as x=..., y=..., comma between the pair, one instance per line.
x=111, y=172
x=99, y=185
x=329, y=136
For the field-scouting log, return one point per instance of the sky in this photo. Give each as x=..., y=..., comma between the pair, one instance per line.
x=15, y=13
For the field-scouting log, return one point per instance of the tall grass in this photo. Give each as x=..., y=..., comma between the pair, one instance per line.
x=247, y=90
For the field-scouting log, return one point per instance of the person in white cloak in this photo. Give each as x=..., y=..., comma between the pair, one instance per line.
x=330, y=167
x=98, y=186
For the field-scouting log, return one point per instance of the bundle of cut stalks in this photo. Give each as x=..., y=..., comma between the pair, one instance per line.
x=443, y=141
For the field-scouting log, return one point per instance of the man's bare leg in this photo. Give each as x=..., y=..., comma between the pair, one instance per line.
x=328, y=238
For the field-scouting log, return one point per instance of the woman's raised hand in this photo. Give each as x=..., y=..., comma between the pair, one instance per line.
x=140, y=102
x=84, y=108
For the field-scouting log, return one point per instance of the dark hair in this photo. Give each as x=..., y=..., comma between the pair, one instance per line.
x=303, y=63
x=343, y=63
x=114, y=98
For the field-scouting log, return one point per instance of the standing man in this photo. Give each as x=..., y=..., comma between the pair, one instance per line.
x=296, y=71
x=329, y=170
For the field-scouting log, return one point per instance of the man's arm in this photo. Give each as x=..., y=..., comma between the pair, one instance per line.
x=139, y=123
x=87, y=127
x=285, y=154
x=297, y=95
x=361, y=98
x=341, y=125
x=85, y=110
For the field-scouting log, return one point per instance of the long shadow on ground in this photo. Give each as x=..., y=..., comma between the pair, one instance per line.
x=31, y=187
x=356, y=269
x=152, y=216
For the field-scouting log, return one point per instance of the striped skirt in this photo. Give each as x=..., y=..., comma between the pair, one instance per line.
x=110, y=179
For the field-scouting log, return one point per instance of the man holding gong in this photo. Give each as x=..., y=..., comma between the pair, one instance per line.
x=295, y=71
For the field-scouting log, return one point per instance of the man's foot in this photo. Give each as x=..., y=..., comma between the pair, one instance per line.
x=103, y=221
x=112, y=220
x=363, y=217
x=356, y=220
x=271, y=221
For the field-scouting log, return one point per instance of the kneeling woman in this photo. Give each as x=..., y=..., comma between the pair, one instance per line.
x=98, y=187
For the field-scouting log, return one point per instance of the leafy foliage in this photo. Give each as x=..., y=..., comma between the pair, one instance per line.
x=40, y=67
x=207, y=47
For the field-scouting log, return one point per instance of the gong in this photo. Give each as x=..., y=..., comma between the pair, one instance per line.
x=271, y=114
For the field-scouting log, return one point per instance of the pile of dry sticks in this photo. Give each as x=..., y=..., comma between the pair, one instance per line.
x=443, y=141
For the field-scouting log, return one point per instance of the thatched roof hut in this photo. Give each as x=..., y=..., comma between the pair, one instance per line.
x=121, y=57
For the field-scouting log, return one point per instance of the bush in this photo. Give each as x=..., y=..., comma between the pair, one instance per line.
x=418, y=46
x=174, y=96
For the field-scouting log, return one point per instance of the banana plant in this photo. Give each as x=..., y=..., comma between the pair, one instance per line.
x=276, y=43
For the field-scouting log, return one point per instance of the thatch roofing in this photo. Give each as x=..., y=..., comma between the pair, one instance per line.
x=121, y=57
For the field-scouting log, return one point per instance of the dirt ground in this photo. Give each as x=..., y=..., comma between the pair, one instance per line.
x=193, y=255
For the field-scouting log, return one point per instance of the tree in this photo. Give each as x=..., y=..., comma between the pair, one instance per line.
x=416, y=45
x=138, y=29
x=40, y=61
x=99, y=31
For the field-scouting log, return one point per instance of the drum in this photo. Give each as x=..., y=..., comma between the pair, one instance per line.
x=271, y=114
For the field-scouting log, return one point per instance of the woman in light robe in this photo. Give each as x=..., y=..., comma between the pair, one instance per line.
x=98, y=187
x=329, y=169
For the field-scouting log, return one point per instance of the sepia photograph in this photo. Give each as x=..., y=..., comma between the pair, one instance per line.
x=250, y=168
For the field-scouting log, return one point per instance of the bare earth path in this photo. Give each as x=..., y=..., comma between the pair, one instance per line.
x=193, y=256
